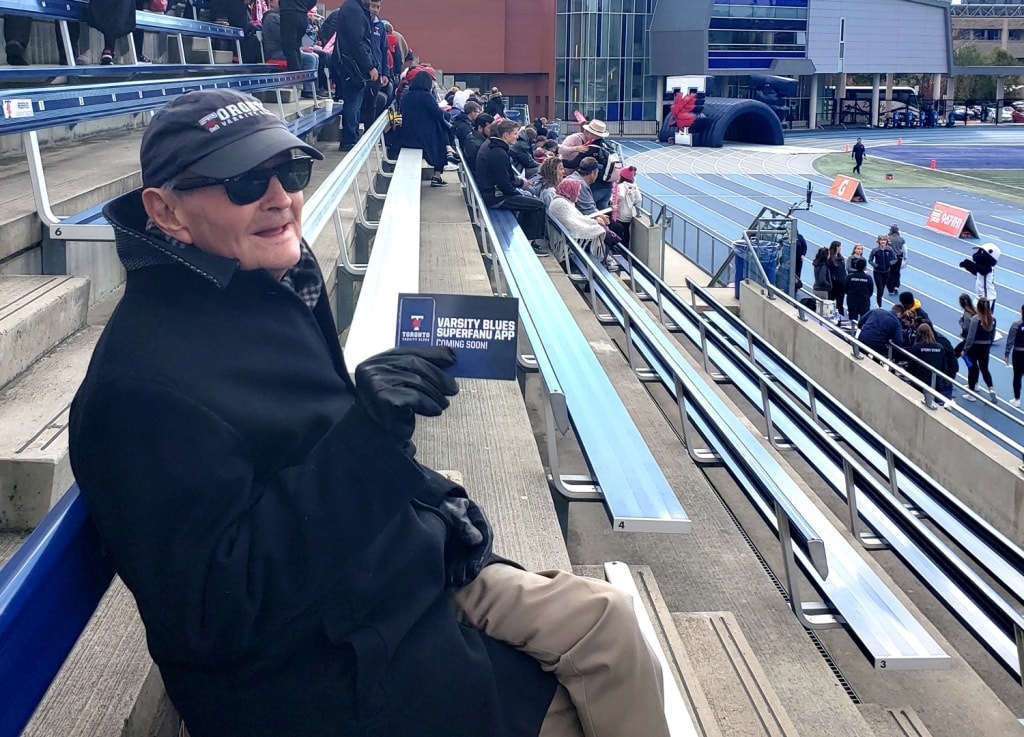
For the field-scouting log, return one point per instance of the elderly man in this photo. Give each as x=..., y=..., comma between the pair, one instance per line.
x=587, y=173
x=297, y=571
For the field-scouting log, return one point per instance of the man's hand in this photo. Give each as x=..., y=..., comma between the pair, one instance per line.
x=383, y=81
x=396, y=385
x=374, y=74
x=469, y=543
x=602, y=219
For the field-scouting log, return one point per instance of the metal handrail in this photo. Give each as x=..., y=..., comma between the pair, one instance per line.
x=858, y=349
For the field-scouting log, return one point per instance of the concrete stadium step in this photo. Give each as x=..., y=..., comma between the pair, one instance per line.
x=741, y=695
x=894, y=722
x=34, y=465
x=690, y=681
x=108, y=686
x=37, y=313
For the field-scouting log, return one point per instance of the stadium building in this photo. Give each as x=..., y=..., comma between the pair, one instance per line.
x=610, y=58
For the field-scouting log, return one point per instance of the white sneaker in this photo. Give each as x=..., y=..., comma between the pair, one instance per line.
x=451, y=167
x=970, y=398
x=1015, y=403
x=992, y=394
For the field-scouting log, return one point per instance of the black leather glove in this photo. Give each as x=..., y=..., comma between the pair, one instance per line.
x=396, y=385
x=470, y=540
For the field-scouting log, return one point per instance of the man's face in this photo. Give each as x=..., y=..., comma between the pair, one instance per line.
x=264, y=234
x=510, y=137
x=590, y=177
x=375, y=9
x=473, y=115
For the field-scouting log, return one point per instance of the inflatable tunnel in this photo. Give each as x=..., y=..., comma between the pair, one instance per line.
x=728, y=119
x=743, y=121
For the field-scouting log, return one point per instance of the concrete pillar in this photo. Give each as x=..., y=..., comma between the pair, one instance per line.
x=812, y=104
x=1004, y=37
x=936, y=87
x=876, y=80
x=950, y=88
x=888, y=87
x=660, y=97
x=999, y=97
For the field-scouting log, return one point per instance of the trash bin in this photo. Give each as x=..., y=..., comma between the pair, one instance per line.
x=512, y=115
x=768, y=255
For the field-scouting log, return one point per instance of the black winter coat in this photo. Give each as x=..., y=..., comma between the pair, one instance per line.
x=286, y=556
x=424, y=127
x=463, y=129
x=494, y=175
x=353, y=35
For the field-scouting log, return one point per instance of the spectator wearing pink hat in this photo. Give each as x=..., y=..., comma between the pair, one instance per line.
x=625, y=198
x=581, y=227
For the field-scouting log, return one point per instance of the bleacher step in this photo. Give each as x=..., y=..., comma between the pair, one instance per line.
x=34, y=465
x=108, y=686
x=742, y=697
x=894, y=721
x=37, y=313
x=688, y=677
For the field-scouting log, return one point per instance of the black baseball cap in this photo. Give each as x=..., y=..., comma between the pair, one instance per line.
x=213, y=133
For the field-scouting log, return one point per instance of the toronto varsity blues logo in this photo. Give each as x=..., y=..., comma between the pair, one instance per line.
x=415, y=321
x=233, y=113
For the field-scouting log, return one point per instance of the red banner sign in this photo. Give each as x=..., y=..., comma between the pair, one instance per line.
x=952, y=220
x=847, y=188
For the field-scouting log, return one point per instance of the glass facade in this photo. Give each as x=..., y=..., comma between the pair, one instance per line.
x=750, y=34
x=602, y=60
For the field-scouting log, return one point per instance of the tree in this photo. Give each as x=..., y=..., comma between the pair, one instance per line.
x=981, y=86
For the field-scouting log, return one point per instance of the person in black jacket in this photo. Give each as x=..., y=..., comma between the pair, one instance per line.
x=355, y=64
x=859, y=288
x=929, y=351
x=501, y=188
x=297, y=571
x=424, y=126
x=462, y=124
x=481, y=132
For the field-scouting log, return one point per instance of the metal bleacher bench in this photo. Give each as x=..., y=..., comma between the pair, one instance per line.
x=626, y=477
x=394, y=265
x=49, y=107
x=856, y=597
x=64, y=11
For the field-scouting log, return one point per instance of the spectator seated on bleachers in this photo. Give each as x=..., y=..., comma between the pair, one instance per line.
x=563, y=209
x=522, y=153
x=462, y=123
x=587, y=173
x=550, y=176
x=424, y=126
x=272, y=45
x=500, y=188
x=545, y=151
x=481, y=132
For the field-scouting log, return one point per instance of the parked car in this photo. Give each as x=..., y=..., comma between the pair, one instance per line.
x=959, y=112
x=1018, y=116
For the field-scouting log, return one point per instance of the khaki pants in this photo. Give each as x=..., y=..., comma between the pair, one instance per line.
x=583, y=631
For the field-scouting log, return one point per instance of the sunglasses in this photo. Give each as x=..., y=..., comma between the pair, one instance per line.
x=250, y=186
